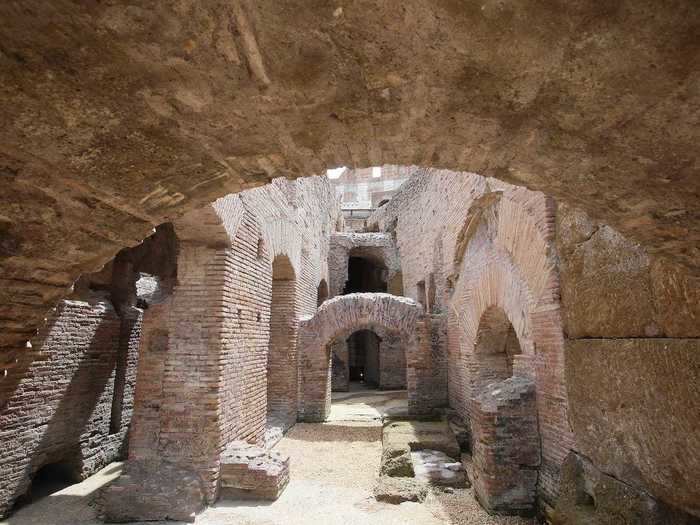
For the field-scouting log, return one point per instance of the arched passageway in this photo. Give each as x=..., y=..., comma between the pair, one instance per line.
x=363, y=357
x=344, y=315
x=374, y=358
x=495, y=349
x=281, y=374
x=505, y=430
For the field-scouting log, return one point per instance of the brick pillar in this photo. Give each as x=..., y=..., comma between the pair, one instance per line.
x=506, y=446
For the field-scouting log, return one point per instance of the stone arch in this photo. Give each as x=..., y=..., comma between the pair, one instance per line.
x=341, y=316
x=379, y=249
x=281, y=376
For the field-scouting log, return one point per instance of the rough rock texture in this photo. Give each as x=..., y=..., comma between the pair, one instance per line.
x=421, y=435
x=636, y=414
x=135, y=113
x=645, y=296
x=398, y=490
x=173, y=493
x=587, y=496
x=396, y=461
x=250, y=472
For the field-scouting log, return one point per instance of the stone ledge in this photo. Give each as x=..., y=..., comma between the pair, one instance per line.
x=250, y=472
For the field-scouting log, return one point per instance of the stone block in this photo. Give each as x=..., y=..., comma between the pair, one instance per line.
x=419, y=435
x=396, y=461
x=634, y=407
x=149, y=491
x=398, y=490
x=589, y=497
x=250, y=472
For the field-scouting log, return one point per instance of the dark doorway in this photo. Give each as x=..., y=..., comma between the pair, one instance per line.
x=46, y=481
x=365, y=275
x=363, y=357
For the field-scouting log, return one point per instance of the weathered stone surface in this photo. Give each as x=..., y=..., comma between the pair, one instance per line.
x=396, y=462
x=250, y=472
x=152, y=491
x=398, y=490
x=420, y=435
x=636, y=414
x=590, y=497
x=643, y=296
x=437, y=468
x=570, y=98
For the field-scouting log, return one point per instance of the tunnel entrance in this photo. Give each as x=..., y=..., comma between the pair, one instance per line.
x=48, y=480
x=365, y=275
x=363, y=358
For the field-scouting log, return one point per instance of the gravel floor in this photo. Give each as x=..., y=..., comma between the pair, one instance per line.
x=333, y=470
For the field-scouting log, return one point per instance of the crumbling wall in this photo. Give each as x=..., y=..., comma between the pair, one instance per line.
x=377, y=247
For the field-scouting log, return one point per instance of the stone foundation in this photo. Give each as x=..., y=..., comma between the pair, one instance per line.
x=249, y=472
x=151, y=491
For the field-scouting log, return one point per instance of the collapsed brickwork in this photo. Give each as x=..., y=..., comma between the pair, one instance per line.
x=495, y=251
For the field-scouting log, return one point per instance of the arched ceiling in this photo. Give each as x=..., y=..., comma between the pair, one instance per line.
x=117, y=116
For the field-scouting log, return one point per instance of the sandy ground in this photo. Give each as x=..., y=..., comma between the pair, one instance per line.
x=333, y=470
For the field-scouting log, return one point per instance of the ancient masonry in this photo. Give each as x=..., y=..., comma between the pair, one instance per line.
x=567, y=354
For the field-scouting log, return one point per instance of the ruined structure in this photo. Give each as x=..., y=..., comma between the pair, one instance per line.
x=472, y=294
x=167, y=298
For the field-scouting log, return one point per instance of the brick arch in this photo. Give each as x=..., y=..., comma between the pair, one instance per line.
x=500, y=283
x=282, y=237
x=340, y=317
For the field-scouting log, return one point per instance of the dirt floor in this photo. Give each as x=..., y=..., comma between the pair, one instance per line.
x=333, y=470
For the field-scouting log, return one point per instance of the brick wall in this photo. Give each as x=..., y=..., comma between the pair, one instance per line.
x=210, y=345
x=472, y=243
x=485, y=244
x=58, y=408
